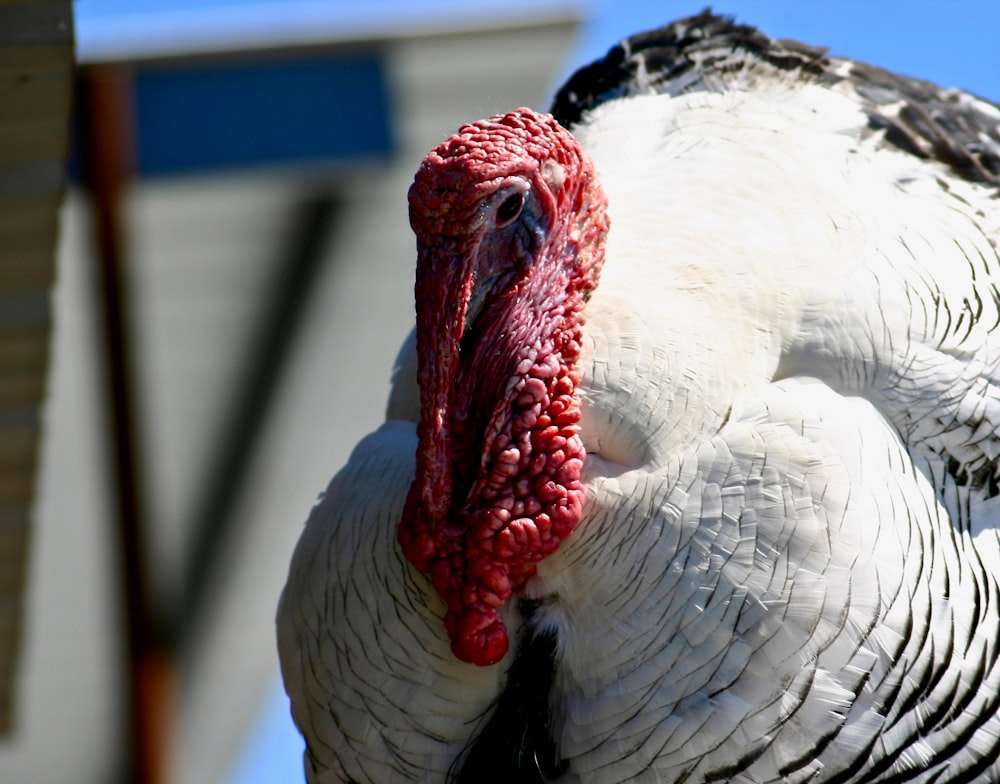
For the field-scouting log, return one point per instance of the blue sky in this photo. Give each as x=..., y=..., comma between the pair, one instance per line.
x=952, y=42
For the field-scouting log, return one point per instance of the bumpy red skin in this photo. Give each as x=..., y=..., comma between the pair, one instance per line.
x=497, y=484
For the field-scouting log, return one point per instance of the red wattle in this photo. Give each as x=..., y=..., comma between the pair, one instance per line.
x=477, y=637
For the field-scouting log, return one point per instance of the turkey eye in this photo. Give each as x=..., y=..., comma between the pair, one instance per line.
x=509, y=209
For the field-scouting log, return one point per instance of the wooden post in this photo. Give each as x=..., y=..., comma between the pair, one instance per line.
x=105, y=112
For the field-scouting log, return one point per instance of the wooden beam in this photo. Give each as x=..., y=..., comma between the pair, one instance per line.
x=107, y=158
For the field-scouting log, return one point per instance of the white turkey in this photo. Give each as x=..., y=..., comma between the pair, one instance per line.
x=691, y=472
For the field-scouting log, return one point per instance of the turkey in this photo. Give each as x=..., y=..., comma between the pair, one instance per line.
x=690, y=471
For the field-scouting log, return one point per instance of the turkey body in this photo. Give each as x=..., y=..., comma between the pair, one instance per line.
x=787, y=565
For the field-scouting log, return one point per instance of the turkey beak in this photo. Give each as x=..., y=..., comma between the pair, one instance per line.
x=477, y=300
x=502, y=254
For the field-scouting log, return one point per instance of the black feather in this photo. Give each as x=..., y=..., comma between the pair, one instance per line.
x=707, y=51
x=516, y=744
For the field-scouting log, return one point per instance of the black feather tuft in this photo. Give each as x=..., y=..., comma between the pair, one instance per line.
x=670, y=58
x=708, y=51
x=516, y=744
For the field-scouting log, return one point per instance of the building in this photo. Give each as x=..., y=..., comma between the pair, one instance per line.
x=264, y=296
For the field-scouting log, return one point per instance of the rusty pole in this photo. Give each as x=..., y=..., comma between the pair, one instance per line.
x=108, y=161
